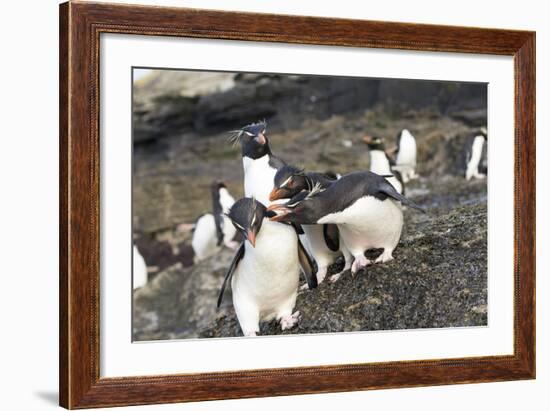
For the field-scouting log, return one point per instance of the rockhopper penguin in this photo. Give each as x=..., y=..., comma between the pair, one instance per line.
x=365, y=207
x=380, y=162
x=265, y=271
x=259, y=164
x=323, y=241
x=212, y=230
x=405, y=157
x=474, y=155
x=139, y=270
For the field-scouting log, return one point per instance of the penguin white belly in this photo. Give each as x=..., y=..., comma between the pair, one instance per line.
x=258, y=178
x=368, y=223
x=139, y=278
x=473, y=164
x=407, y=150
x=204, y=237
x=226, y=200
x=380, y=165
x=265, y=283
x=405, y=162
x=229, y=231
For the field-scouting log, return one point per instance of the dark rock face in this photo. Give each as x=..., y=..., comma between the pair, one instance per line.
x=285, y=101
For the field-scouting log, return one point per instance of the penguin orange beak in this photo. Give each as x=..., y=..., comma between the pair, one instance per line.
x=276, y=194
x=367, y=139
x=251, y=237
x=260, y=138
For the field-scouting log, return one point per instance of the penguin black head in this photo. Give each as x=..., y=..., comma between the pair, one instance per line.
x=288, y=181
x=253, y=141
x=247, y=215
x=218, y=185
x=374, y=143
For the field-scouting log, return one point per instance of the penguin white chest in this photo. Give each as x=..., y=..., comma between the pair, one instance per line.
x=204, y=237
x=267, y=277
x=473, y=164
x=379, y=163
x=368, y=223
x=407, y=149
x=258, y=178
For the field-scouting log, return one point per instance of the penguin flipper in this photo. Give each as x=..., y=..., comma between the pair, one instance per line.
x=308, y=267
x=390, y=191
x=218, y=219
x=332, y=236
x=298, y=228
x=238, y=257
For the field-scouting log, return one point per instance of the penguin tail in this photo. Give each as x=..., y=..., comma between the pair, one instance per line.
x=391, y=192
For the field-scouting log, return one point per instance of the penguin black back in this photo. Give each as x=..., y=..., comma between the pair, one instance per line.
x=308, y=208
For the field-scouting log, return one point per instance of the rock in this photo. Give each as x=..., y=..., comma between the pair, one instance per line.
x=208, y=103
x=180, y=302
x=472, y=118
x=437, y=279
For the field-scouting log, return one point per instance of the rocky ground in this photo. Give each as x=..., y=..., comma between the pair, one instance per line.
x=439, y=275
x=437, y=279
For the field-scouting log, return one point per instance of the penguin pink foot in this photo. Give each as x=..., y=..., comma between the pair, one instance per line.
x=359, y=263
x=384, y=257
x=289, y=321
x=336, y=277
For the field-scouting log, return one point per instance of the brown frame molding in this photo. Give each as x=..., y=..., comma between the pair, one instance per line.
x=80, y=27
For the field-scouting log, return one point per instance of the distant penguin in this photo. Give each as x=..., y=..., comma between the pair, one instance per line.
x=259, y=164
x=212, y=230
x=222, y=202
x=405, y=157
x=323, y=241
x=265, y=271
x=365, y=207
x=380, y=162
x=475, y=155
x=140, y=276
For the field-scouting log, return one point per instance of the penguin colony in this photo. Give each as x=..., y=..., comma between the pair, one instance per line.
x=294, y=221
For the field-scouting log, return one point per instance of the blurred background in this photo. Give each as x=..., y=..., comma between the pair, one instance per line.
x=181, y=121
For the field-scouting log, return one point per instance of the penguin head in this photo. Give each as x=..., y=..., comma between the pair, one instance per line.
x=374, y=143
x=217, y=186
x=247, y=215
x=288, y=182
x=253, y=140
x=483, y=132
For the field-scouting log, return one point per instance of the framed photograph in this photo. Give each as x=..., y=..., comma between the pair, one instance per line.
x=260, y=205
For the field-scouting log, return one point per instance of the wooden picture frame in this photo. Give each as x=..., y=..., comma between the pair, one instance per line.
x=80, y=27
